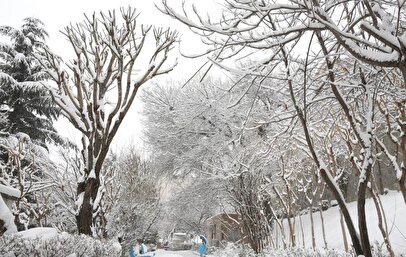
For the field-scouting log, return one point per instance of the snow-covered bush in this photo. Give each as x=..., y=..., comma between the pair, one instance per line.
x=63, y=244
x=27, y=171
x=238, y=250
x=133, y=202
x=300, y=252
x=233, y=250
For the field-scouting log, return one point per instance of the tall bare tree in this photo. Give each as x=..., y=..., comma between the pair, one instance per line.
x=97, y=88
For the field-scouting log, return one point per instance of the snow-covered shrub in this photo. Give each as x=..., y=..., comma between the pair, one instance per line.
x=132, y=205
x=233, y=250
x=63, y=244
x=238, y=250
x=300, y=252
x=27, y=171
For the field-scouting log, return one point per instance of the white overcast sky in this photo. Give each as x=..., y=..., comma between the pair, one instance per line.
x=57, y=14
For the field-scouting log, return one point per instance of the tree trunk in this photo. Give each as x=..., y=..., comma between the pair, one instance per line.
x=2, y=227
x=301, y=229
x=380, y=224
x=343, y=207
x=274, y=223
x=323, y=229
x=277, y=237
x=312, y=226
x=84, y=217
x=402, y=179
x=402, y=185
x=288, y=218
x=343, y=231
x=280, y=226
x=362, y=219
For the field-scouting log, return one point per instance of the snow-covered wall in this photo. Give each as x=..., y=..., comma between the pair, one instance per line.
x=9, y=194
x=7, y=217
x=9, y=191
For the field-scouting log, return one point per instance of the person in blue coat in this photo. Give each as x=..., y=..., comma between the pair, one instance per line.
x=132, y=253
x=143, y=248
x=203, y=245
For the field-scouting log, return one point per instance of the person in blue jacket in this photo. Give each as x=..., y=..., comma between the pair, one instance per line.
x=143, y=248
x=132, y=253
x=203, y=245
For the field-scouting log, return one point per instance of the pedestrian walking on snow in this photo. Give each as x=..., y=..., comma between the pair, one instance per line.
x=203, y=246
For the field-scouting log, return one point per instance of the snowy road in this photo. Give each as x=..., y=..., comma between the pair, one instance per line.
x=163, y=253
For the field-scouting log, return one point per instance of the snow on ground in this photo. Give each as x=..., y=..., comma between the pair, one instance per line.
x=163, y=253
x=395, y=211
x=44, y=233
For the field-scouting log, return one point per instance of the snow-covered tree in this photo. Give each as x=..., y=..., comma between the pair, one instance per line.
x=367, y=32
x=132, y=197
x=64, y=182
x=26, y=170
x=97, y=88
x=24, y=101
x=27, y=113
x=184, y=126
x=190, y=203
x=208, y=132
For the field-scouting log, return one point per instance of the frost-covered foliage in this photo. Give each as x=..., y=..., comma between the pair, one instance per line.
x=201, y=128
x=63, y=244
x=189, y=204
x=184, y=127
x=64, y=181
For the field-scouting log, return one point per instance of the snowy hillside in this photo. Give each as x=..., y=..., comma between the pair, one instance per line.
x=395, y=211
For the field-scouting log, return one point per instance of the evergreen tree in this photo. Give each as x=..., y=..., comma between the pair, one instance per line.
x=25, y=103
x=27, y=113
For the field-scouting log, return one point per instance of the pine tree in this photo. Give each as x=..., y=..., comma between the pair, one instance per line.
x=25, y=103
x=27, y=113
